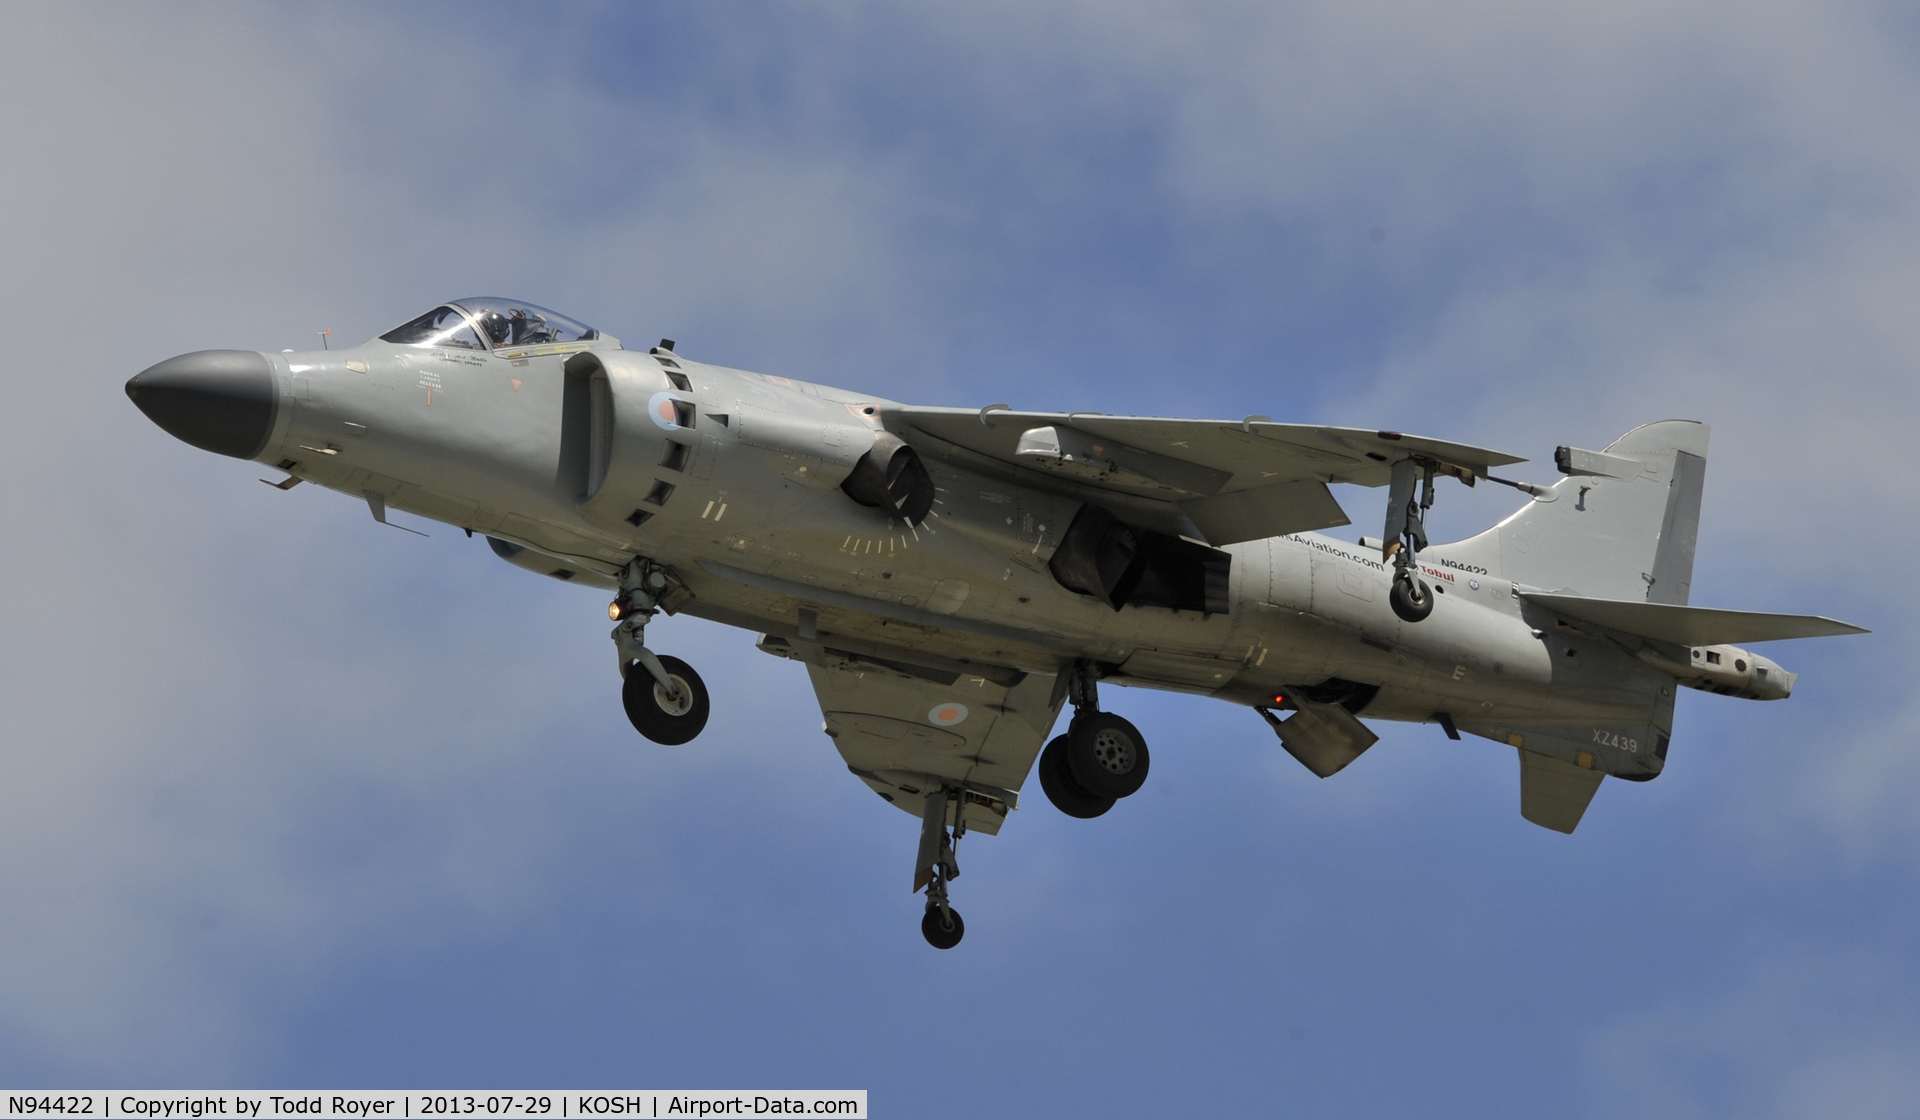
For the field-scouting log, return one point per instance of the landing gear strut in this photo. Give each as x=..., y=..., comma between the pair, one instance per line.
x=938, y=866
x=1100, y=759
x=1406, y=535
x=666, y=701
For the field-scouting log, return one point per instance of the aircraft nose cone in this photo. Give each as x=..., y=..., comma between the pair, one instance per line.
x=217, y=400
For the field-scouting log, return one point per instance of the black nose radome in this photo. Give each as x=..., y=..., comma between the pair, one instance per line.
x=217, y=400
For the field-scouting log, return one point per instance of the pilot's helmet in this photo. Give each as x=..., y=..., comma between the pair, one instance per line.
x=496, y=325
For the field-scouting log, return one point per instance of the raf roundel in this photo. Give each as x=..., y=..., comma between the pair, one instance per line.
x=946, y=715
x=661, y=408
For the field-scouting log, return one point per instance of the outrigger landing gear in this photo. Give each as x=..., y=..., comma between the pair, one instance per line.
x=1100, y=759
x=1406, y=535
x=668, y=701
x=937, y=865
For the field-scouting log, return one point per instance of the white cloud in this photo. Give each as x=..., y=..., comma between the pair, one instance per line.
x=1802, y=1035
x=198, y=678
x=1611, y=215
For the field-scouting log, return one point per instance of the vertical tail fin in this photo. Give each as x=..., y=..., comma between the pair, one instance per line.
x=1621, y=525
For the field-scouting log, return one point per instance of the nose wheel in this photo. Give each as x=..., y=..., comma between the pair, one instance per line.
x=665, y=699
x=666, y=716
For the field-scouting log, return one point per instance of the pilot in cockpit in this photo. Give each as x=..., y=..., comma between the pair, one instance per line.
x=498, y=328
x=505, y=323
x=515, y=327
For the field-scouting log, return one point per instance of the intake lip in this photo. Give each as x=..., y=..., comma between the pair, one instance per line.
x=217, y=400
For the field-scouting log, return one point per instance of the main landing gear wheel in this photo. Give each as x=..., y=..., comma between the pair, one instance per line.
x=667, y=718
x=1411, y=598
x=1106, y=755
x=942, y=926
x=1056, y=780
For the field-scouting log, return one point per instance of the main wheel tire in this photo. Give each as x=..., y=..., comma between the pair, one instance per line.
x=943, y=929
x=1106, y=755
x=1056, y=780
x=667, y=720
x=1411, y=598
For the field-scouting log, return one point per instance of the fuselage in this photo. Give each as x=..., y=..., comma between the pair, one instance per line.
x=953, y=579
x=732, y=482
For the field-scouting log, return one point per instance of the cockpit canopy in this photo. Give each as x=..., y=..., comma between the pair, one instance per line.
x=488, y=322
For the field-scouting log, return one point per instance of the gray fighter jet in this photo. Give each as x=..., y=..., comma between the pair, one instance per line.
x=951, y=577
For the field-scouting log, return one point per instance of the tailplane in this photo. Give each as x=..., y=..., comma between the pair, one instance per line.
x=1621, y=525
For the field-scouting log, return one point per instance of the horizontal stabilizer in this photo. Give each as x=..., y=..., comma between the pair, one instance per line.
x=1691, y=626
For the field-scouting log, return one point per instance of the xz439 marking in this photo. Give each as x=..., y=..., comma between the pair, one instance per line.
x=1616, y=741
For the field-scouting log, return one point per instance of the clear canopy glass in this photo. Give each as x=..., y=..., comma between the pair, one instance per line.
x=512, y=323
x=483, y=321
x=443, y=326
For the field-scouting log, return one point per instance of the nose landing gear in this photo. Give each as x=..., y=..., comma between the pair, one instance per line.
x=666, y=701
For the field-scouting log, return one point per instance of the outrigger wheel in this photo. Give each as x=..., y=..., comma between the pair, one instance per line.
x=1410, y=598
x=937, y=867
x=667, y=718
x=942, y=926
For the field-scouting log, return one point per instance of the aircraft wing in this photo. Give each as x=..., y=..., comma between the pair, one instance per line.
x=1232, y=480
x=907, y=735
x=1691, y=626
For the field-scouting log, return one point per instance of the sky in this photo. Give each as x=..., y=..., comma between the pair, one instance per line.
x=291, y=800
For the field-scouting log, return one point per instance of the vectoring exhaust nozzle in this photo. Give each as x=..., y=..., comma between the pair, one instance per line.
x=1122, y=565
x=891, y=477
